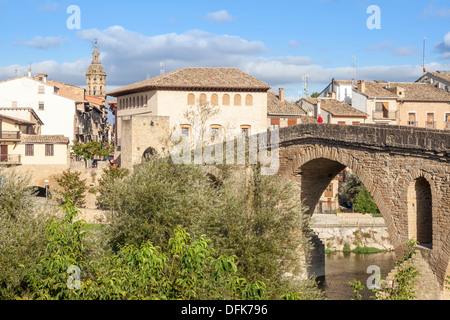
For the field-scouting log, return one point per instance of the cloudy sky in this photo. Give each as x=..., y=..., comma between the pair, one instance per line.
x=279, y=42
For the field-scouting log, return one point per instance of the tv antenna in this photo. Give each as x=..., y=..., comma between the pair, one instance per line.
x=162, y=71
x=423, y=61
x=305, y=85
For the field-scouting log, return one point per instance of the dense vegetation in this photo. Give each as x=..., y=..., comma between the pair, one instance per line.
x=175, y=232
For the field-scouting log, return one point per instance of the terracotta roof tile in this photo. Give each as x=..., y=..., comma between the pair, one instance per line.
x=197, y=78
x=58, y=139
x=443, y=75
x=336, y=108
x=275, y=106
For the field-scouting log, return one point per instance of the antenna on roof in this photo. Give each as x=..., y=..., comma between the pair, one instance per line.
x=29, y=71
x=423, y=62
x=305, y=85
x=162, y=71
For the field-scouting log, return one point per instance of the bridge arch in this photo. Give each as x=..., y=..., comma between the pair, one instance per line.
x=314, y=169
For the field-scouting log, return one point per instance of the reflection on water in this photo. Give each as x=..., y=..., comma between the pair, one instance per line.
x=342, y=268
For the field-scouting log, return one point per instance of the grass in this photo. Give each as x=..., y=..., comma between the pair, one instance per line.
x=366, y=250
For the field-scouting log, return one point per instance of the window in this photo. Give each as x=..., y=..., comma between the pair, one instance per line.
x=202, y=99
x=215, y=131
x=329, y=191
x=355, y=123
x=249, y=100
x=49, y=150
x=41, y=105
x=430, y=120
x=447, y=121
x=56, y=90
x=245, y=130
x=191, y=99
x=412, y=119
x=185, y=130
x=274, y=124
x=29, y=150
x=226, y=100
x=215, y=100
x=41, y=90
x=237, y=100
x=292, y=122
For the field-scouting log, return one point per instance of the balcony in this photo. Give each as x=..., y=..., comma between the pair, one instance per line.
x=412, y=123
x=11, y=159
x=447, y=125
x=384, y=115
x=430, y=124
x=9, y=135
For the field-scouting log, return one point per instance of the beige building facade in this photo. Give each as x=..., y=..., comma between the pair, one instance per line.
x=176, y=104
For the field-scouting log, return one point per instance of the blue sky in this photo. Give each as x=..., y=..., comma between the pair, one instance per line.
x=278, y=42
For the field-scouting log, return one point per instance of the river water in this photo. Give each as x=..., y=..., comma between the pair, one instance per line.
x=342, y=268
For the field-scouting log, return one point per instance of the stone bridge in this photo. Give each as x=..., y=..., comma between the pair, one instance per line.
x=406, y=170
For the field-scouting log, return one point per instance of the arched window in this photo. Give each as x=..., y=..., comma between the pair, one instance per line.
x=249, y=100
x=237, y=100
x=203, y=99
x=215, y=131
x=214, y=100
x=226, y=100
x=420, y=212
x=191, y=99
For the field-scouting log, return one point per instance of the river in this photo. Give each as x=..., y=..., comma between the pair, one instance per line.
x=342, y=268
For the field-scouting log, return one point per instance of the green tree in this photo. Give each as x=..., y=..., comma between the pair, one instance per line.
x=314, y=94
x=253, y=217
x=90, y=150
x=71, y=188
x=364, y=202
x=349, y=189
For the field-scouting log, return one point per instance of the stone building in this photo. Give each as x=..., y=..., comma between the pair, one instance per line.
x=148, y=112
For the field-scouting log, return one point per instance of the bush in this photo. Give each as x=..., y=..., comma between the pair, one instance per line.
x=248, y=215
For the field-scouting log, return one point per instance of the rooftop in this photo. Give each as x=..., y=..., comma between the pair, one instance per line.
x=58, y=139
x=414, y=91
x=276, y=106
x=197, y=78
x=336, y=108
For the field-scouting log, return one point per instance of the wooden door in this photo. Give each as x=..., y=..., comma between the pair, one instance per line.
x=4, y=154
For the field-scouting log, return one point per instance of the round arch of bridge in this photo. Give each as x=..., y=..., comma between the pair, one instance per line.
x=440, y=255
x=319, y=166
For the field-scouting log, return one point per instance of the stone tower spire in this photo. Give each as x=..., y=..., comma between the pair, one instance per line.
x=96, y=76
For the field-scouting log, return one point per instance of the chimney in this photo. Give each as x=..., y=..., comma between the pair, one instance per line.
x=42, y=77
x=29, y=72
x=362, y=86
x=281, y=95
x=333, y=95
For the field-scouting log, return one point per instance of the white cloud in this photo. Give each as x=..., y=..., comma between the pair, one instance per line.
x=221, y=16
x=39, y=42
x=432, y=12
x=444, y=47
x=48, y=6
x=129, y=57
x=395, y=50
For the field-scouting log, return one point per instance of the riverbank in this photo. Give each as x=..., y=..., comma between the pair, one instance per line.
x=345, y=232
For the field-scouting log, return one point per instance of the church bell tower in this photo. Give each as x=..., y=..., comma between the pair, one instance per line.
x=96, y=76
